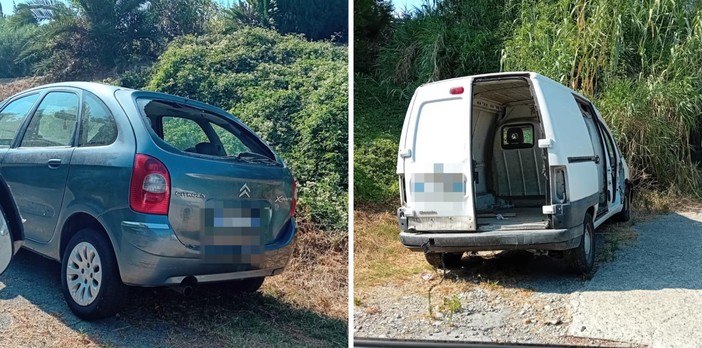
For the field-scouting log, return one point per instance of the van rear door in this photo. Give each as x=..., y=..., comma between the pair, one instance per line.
x=435, y=158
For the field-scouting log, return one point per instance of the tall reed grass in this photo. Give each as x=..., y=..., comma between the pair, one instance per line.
x=639, y=61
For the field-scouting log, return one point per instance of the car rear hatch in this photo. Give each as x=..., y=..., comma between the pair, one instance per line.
x=229, y=194
x=435, y=158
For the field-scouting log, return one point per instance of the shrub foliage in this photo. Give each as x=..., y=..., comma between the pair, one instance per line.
x=292, y=92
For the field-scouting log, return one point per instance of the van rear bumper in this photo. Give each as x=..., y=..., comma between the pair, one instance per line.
x=550, y=239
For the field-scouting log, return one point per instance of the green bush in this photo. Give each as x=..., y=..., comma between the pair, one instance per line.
x=451, y=38
x=375, y=180
x=292, y=92
x=135, y=78
x=13, y=39
x=378, y=121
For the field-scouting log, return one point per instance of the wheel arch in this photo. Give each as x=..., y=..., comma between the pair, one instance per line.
x=76, y=222
x=9, y=206
x=591, y=211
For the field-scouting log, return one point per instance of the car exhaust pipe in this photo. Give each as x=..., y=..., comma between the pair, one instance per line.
x=184, y=290
x=185, y=287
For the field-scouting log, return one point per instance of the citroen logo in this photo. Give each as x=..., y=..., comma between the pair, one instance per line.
x=244, y=191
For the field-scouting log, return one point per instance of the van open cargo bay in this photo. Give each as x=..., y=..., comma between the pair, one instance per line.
x=506, y=161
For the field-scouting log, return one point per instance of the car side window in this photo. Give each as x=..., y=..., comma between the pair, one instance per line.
x=98, y=126
x=182, y=133
x=12, y=116
x=54, y=122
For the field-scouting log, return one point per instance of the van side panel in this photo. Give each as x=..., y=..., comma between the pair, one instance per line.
x=564, y=124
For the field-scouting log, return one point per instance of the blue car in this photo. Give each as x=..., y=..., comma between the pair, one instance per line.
x=136, y=188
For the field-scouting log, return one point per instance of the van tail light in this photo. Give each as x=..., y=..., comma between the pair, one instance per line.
x=558, y=179
x=150, y=189
x=293, y=205
x=403, y=193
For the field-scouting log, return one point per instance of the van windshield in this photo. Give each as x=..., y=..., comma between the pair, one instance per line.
x=442, y=129
x=203, y=133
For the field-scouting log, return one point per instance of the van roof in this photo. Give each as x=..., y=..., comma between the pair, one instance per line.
x=528, y=74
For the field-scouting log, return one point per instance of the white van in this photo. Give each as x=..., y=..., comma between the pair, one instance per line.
x=507, y=161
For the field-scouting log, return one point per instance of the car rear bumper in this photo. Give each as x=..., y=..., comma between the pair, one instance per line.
x=549, y=239
x=151, y=255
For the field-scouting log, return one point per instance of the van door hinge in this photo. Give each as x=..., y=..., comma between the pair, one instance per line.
x=545, y=143
x=406, y=153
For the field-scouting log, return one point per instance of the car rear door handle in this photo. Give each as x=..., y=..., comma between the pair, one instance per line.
x=54, y=163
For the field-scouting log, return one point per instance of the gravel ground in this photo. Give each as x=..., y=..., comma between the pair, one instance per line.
x=641, y=298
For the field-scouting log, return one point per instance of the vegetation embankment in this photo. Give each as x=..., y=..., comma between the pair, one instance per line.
x=638, y=62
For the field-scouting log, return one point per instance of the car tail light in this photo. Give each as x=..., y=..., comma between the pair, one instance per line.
x=293, y=205
x=456, y=90
x=150, y=189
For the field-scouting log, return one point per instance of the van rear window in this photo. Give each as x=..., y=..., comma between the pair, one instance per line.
x=519, y=136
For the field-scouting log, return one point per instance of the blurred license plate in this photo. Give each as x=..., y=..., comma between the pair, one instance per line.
x=233, y=232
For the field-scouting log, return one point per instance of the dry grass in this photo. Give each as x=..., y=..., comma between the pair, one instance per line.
x=24, y=331
x=316, y=277
x=11, y=87
x=379, y=257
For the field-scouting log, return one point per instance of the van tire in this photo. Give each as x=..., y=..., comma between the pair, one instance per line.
x=625, y=214
x=441, y=260
x=582, y=258
x=111, y=293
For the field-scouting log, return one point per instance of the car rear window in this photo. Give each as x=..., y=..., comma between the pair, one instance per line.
x=200, y=132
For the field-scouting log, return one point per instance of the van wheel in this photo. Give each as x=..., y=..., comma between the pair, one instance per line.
x=439, y=260
x=625, y=214
x=582, y=258
x=90, y=279
x=248, y=285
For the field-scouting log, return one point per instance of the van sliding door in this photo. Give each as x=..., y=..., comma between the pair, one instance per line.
x=604, y=170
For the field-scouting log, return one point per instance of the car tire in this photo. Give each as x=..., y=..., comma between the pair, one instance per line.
x=582, y=258
x=90, y=279
x=248, y=285
x=441, y=260
x=625, y=214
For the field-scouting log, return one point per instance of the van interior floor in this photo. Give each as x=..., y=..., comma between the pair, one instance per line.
x=523, y=218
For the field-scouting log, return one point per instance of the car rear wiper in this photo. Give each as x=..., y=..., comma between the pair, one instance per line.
x=253, y=157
